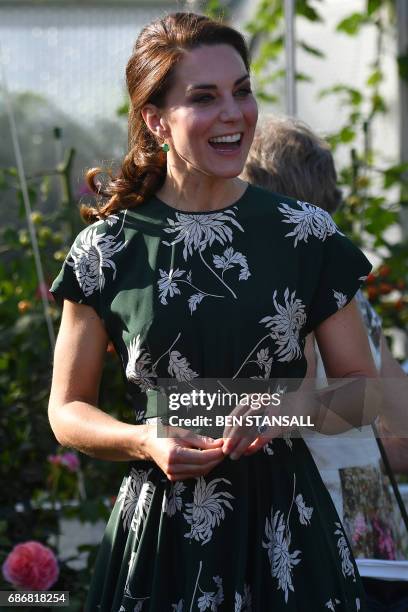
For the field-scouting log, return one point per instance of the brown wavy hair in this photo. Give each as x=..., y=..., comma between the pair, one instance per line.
x=149, y=76
x=288, y=157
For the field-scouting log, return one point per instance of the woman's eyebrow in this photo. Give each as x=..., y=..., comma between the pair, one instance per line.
x=210, y=86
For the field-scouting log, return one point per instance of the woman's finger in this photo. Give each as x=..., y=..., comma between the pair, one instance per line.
x=185, y=455
x=192, y=468
x=241, y=447
x=257, y=444
x=195, y=439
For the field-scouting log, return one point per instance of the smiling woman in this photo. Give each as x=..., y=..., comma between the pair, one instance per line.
x=192, y=274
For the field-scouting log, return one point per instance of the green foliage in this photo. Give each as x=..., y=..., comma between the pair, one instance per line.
x=26, y=439
x=352, y=24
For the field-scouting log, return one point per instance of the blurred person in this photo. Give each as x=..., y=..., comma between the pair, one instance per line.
x=288, y=157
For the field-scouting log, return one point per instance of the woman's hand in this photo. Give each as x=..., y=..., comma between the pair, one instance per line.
x=245, y=440
x=185, y=454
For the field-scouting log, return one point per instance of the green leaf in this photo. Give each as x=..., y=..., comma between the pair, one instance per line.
x=304, y=9
x=375, y=77
x=378, y=104
x=3, y=182
x=353, y=96
x=378, y=220
x=265, y=97
x=312, y=50
x=351, y=25
x=395, y=174
x=402, y=61
x=123, y=109
x=372, y=6
x=347, y=134
x=301, y=76
x=12, y=171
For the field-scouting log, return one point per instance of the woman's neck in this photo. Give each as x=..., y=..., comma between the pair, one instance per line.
x=197, y=194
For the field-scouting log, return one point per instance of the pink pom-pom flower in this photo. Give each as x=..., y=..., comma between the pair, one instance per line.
x=31, y=566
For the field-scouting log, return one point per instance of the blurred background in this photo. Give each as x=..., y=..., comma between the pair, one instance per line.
x=339, y=65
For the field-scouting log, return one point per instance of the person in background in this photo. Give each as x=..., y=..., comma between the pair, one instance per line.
x=287, y=157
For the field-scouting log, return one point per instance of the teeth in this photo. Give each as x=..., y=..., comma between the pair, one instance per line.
x=231, y=138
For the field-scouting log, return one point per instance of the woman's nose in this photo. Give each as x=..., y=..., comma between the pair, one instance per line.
x=231, y=110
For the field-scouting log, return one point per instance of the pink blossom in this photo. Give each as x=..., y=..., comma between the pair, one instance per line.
x=360, y=527
x=68, y=460
x=31, y=566
x=385, y=540
x=84, y=190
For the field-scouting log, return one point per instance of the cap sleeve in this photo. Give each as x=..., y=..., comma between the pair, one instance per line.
x=79, y=279
x=344, y=268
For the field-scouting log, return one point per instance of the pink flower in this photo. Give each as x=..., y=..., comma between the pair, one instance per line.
x=385, y=540
x=360, y=527
x=84, y=190
x=32, y=566
x=70, y=461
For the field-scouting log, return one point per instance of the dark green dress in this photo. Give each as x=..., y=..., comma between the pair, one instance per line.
x=230, y=293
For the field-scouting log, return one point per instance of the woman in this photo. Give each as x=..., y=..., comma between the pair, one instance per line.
x=192, y=273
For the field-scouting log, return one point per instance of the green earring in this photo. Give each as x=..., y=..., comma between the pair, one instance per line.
x=165, y=147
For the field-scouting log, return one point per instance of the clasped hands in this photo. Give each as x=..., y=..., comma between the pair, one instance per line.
x=184, y=454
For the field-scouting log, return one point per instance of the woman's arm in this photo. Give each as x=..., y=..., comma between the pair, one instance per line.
x=393, y=423
x=73, y=414
x=343, y=344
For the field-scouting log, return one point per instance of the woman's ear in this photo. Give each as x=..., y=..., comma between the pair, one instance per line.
x=151, y=117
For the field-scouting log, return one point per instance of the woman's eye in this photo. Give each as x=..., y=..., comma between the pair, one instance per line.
x=207, y=97
x=203, y=98
x=245, y=91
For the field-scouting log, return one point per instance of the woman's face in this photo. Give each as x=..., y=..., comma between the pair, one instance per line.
x=210, y=113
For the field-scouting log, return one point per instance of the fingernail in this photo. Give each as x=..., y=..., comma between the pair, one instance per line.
x=233, y=456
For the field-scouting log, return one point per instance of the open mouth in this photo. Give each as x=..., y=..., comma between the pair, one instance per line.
x=226, y=143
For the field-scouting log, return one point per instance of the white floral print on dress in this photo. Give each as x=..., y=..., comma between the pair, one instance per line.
x=90, y=255
x=179, y=367
x=286, y=325
x=346, y=565
x=341, y=298
x=229, y=259
x=198, y=231
x=330, y=605
x=139, y=369
x=310, y=220
x=277, y=543
x=172, y=500
x=211, y=599
x=243, y=603
x=135, y=496
x=264, y=362
x=168, y=284
x=206, y=511
x=305, y=513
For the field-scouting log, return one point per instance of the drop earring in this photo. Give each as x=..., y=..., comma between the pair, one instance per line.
x=165, y=147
